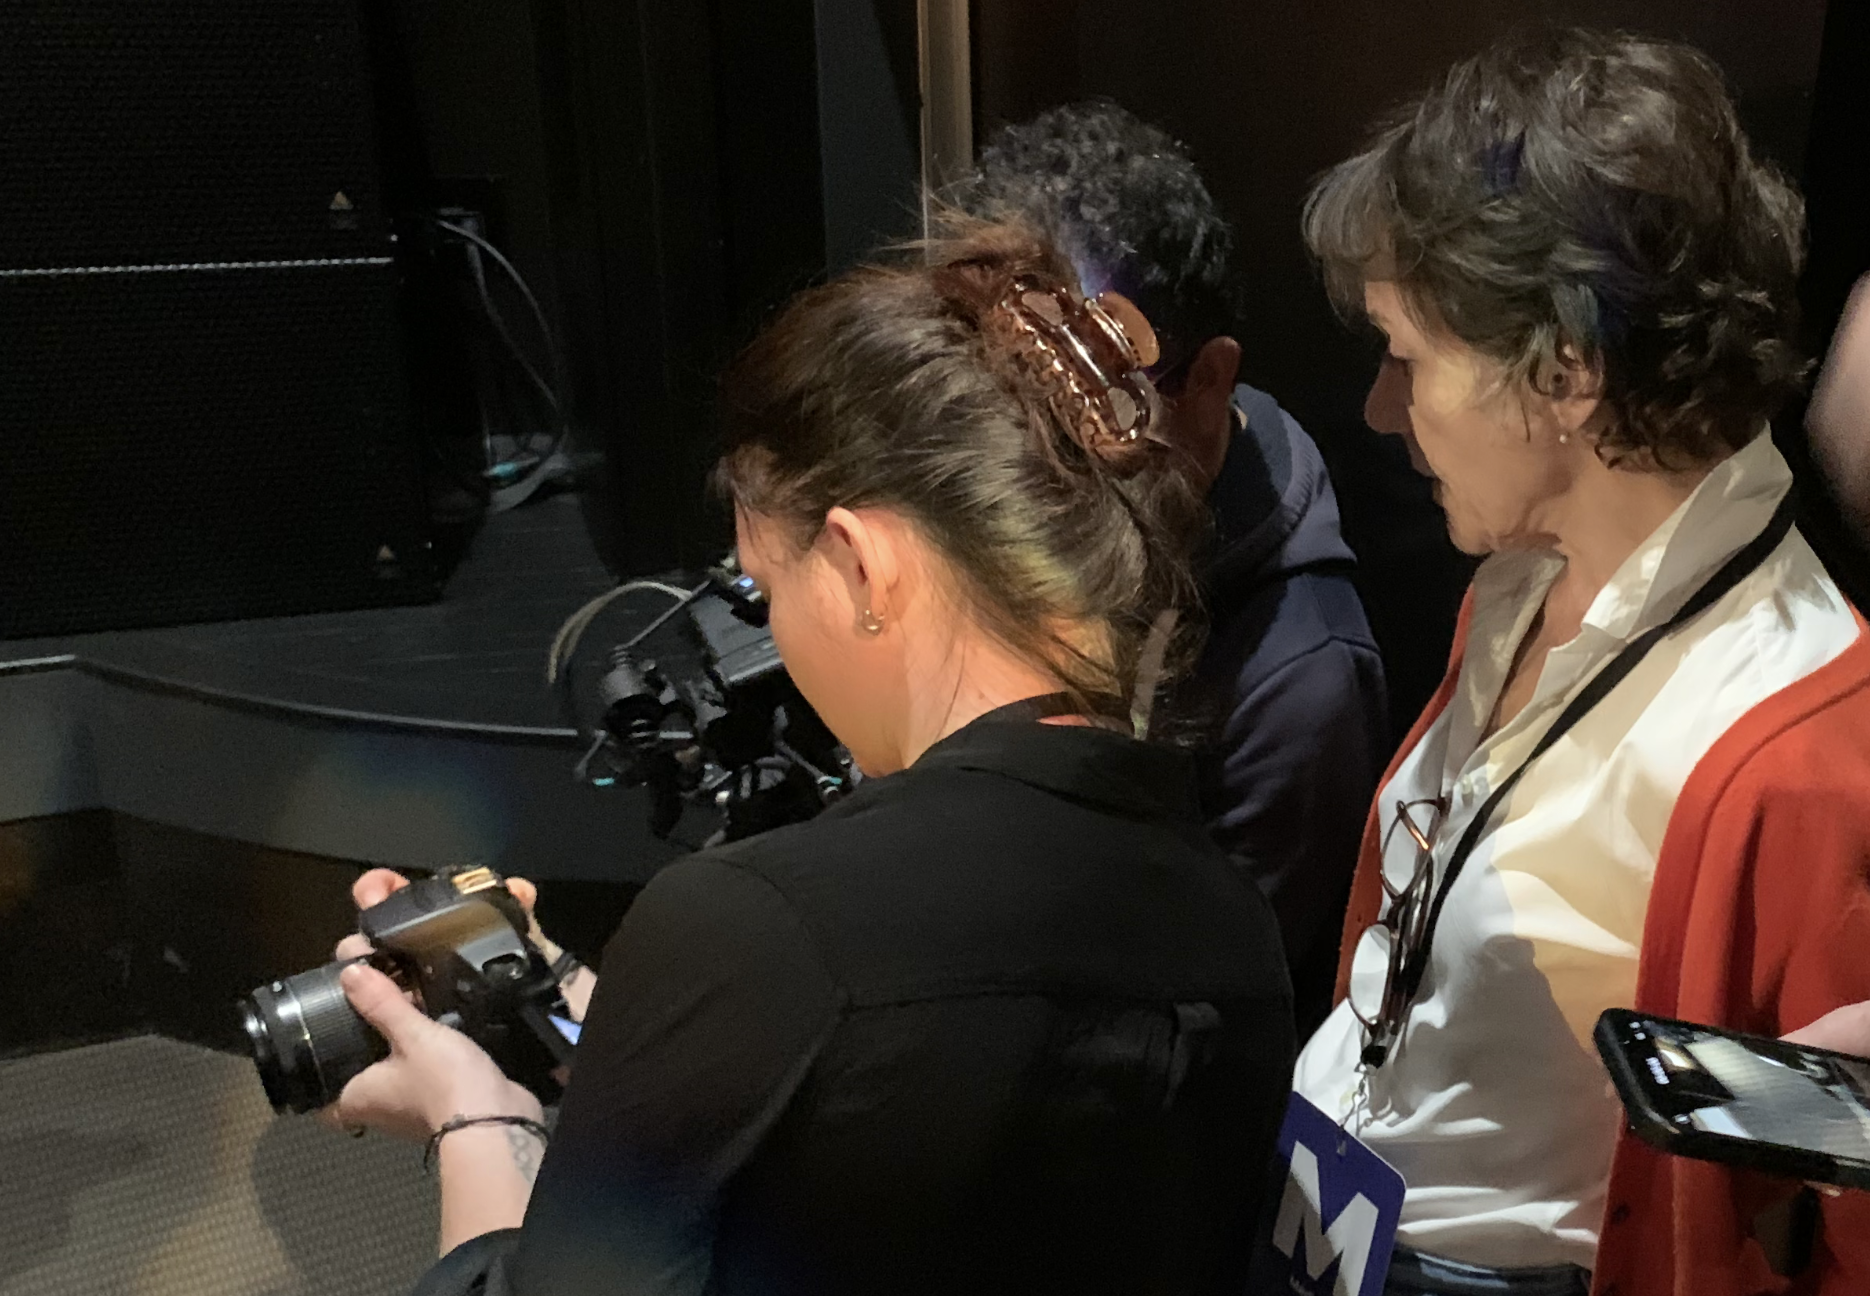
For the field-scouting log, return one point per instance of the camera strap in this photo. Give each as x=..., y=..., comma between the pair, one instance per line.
x=1717, y=586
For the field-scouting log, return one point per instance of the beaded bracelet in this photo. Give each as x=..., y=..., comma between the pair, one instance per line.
x=449, y=1126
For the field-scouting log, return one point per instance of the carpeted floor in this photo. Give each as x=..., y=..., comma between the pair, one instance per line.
x=144, y=1167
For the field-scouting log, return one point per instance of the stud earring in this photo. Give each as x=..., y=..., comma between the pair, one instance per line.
x=1564, y=438
x=871, y=622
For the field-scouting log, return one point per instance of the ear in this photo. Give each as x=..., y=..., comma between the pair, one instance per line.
x=1213, y=371
x=865, y=550
x=1200, y=417
x=1574, y=390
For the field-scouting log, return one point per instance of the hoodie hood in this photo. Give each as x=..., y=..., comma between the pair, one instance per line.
x=1274, y=510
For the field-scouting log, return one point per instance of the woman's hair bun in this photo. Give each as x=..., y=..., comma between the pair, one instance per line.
x=1080, y=362
x=1088, y=358
x=969, y=385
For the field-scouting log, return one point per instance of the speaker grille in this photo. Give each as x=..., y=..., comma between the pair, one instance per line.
x=200, y=445
x=200, y=379
x=172, y=131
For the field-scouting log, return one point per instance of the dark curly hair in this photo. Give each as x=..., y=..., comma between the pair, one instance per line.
x=1592, y=194
x=1125, y=204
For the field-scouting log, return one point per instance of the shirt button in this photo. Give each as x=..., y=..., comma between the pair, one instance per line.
x=1619, y=1214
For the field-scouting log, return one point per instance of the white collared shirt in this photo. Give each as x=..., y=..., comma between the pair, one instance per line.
x=1493, y=1105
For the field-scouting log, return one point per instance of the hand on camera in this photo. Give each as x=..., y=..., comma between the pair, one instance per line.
x=376, y=886
x=433, y=1073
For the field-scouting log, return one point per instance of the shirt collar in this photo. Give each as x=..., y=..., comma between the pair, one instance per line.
x=1109, y=770
x=1725, y=512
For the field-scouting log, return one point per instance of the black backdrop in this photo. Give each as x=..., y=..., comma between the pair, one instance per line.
x=666, y=172
x=663, y=172
x=204, y=411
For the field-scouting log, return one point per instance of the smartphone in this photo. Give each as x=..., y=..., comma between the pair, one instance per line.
x=1744, y=1100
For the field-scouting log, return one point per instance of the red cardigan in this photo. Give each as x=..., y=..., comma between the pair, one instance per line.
x=1759, y=920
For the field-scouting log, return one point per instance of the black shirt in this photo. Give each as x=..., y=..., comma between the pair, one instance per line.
x=1004, y=1021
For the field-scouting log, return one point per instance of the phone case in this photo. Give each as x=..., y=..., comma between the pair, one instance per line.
x=1653, y=1127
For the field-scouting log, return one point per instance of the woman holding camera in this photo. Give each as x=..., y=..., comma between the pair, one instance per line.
x=1646, y=778
x=1002, y=1020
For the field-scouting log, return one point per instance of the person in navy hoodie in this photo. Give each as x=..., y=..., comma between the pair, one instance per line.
x=1289, y=691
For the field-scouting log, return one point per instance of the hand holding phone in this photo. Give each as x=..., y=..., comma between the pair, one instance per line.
x=1718, y=1095
x=1842, y=1030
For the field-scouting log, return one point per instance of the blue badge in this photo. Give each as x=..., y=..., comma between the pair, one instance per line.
x=1334, y=1215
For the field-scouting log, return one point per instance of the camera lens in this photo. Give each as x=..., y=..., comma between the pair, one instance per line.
x=307, y=1040
x=632, y=705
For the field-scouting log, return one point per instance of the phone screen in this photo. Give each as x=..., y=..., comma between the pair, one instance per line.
x=1748, y=1088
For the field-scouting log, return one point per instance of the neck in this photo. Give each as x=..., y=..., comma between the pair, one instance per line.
x=972, y=675
x=1608, y=515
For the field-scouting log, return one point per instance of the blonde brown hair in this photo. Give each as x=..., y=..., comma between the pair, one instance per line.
x=890, y=387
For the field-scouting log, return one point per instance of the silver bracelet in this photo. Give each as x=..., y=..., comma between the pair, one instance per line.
x=454, y=1123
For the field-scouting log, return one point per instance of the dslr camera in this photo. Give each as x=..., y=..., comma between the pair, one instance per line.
x=458, y=942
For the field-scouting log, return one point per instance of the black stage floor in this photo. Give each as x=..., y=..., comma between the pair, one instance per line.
x=473, y=660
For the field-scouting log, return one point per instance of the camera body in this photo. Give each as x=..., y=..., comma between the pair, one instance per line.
x=458, y=942
x=702, y=711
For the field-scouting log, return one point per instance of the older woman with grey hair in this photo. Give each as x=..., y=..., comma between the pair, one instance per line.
x=1644, y=779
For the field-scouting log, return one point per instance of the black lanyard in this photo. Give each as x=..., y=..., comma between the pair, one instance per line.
x=1735, y=570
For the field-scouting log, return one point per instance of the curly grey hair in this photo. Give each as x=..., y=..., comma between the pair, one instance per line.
x=1592, y=195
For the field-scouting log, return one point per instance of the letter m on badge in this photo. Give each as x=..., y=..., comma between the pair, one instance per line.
x=1338, y=1207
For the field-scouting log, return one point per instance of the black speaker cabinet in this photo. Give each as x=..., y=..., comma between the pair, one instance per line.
x=203, y=409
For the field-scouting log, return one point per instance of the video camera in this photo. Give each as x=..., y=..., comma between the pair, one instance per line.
x=698, y=707
x=458, y=941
